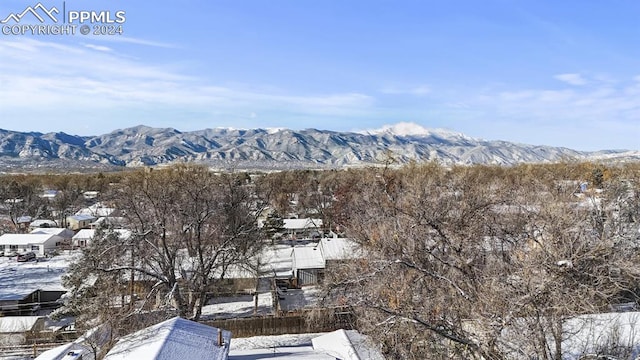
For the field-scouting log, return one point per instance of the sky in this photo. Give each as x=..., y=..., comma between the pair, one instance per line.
x=562, y=73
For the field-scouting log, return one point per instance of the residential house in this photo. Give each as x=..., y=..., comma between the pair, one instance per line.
x=23, y=222
x=65, y=235
x=303, y=228
x=99, y=210
x=173, y=339
x=40, y=244
x=85, y=237
x=77, y=222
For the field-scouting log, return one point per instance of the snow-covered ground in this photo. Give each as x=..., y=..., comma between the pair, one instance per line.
x=237, y=306
x=294, y=299
x=20, y=279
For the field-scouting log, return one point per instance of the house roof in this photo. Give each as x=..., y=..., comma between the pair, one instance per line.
x=307, y=257
x=60, y=352
x=40, y=222
x=97, y=209
x=90, y=233
x=24, y=239
x=18, y=324
x=341, y=344
x=24, y=219
x=173, y=339
x=339, y=249
x=62, y=232
x=83, y=217
x=297, y=224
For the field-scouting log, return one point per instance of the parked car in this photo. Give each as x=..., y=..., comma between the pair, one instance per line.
x=26, y=256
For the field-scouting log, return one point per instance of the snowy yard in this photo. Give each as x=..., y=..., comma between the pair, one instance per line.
x=237, y=306
x=294, y=299
x=20, y=279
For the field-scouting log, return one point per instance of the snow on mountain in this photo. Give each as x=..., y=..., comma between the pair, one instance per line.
x=409, y=129
x=278, y=148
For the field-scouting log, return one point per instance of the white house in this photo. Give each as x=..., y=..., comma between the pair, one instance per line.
x=40, y=244
x=84, y=237
x=173, y=339
x=64, y=234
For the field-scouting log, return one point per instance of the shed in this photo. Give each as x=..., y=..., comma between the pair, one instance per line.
x=15, y=330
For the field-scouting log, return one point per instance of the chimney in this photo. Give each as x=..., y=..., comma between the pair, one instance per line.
x=220, y=341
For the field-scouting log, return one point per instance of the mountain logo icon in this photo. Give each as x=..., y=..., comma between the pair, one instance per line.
x=36, y=11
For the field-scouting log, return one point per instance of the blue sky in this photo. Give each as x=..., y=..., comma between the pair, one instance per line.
x=561, y=73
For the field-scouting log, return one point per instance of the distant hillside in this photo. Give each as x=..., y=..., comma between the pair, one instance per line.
x=276, y=148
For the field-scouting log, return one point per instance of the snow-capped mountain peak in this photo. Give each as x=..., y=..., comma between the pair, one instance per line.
x=406, y=129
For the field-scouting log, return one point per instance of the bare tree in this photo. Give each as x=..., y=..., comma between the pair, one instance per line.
x=479, y=262
x=189, y=227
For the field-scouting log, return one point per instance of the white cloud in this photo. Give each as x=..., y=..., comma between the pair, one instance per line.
x=58, y=78
x=572, y=79
x=421, y=90
x=98, y=47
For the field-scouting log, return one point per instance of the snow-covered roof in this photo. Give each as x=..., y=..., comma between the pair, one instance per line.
x=97, y=209
x=84, y=234
x=40, y=222
x=173, y=339
x=307, y=257
x=593, y=331
x=24, y=219
x=277, y=260
x=24, y=239
x=62, y=232
x=346, y=345
x=339, y=249
x=18, y=324
x=83, y=217
x=297, y=224
x=340, y=344
x=90, y=233
x=62, y=352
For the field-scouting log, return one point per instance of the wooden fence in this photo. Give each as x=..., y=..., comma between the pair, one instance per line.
x=306, y=321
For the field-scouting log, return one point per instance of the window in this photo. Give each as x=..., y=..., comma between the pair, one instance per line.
x=13, y=247
x=35, y=248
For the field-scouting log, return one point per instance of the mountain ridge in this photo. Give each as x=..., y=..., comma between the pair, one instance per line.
x=279, y=148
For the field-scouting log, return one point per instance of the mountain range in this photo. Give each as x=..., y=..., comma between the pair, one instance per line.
x=276, y=148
